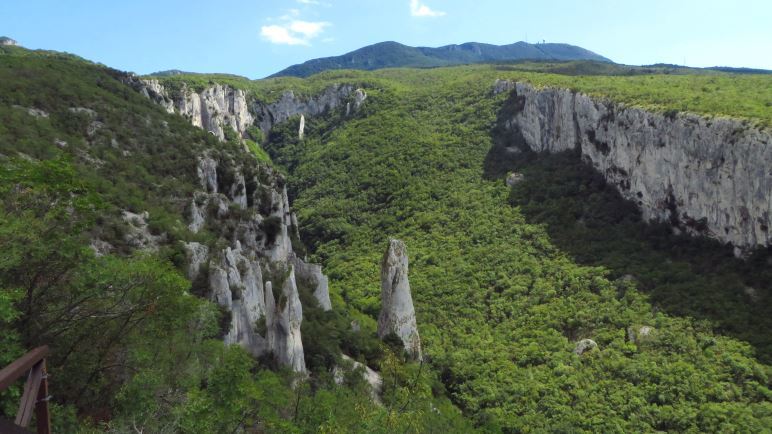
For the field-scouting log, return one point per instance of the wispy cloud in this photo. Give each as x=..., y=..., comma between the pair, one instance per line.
x=293, y=32
x=314, y=3
x=418, y=9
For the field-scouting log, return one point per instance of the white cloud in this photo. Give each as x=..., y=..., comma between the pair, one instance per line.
x=418, y=9
x=294, y=32
x=314, y=3
x=309, y=30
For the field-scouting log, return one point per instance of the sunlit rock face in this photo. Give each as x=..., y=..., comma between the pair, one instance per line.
x=707, y=176
x=397, y=313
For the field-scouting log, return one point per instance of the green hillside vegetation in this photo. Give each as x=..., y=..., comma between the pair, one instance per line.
x=500, y=305
x=395, y=55
x=662, y=89
x=130, y=346
x=504, y=286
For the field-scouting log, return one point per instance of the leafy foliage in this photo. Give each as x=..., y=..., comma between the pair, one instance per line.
x=500, y=297
x=500, y=307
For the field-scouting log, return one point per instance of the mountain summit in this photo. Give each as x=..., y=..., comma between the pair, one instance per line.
x=393, y=55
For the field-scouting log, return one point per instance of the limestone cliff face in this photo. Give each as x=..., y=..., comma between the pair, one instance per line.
x=257, y=253
x=397, y=313
x=289, y=105
x=212, y=109
x=284, y=327
x=705, y=176
x=220, y=106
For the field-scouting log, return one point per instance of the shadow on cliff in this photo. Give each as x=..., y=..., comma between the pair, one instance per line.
x=589, y=220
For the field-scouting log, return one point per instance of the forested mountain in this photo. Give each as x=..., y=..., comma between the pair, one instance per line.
x=395, y=55
x=568, y=270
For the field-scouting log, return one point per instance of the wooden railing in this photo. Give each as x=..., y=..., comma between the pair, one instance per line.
x=35, y=396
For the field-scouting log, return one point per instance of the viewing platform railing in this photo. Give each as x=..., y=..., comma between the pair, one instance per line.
x=35, y=396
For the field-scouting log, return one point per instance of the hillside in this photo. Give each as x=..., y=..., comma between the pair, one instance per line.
x=546, y=303
x=396, y=55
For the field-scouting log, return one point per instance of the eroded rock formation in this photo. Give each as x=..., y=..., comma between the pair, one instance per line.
x=397, y=313
x=283, y=330
x=258, y=254
x=218, y=107
x=709, y=176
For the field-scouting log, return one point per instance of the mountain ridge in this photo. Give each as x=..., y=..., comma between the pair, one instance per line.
x=390, y=54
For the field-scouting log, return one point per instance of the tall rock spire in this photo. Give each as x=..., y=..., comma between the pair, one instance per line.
x=397, y=312
x=284, y=325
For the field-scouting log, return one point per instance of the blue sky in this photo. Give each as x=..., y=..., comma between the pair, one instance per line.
x=255, y=38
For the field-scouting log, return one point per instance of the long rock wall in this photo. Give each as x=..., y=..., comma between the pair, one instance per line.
x=218, y=107
x=708, y=176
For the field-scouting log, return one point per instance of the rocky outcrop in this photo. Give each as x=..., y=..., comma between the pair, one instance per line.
x=708, y=176
x=207, y=173
x=218, y=107
x=311, y=276
x=372, y=377
x=214, y=109
x=138, y=233
x=397, y=313
x=514, y=178
x=637, y=334
x=290, y=105
x=284, y=326
x=197, y=255
x=256, y=208
x=258, y=254
x=584, y=346
x=4, y=40
x=236, y=283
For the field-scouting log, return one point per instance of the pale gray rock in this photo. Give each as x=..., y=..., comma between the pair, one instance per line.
x=397, y=312
x=359, y=98
x=290, y=105
x=214, y=109
x=197, y=254
x=239, y=191
x=198, y=211
x=87, y=111
x=218, y=284
x=284, y=331
x=585, y=345
x=155, y=91
x=302, y=127
x=93, y=128
x=236, y=283
x=636, y=334
x=311, y=274
x=220, y=106
x=207, y=173
x=372, y=377
x=4, y=40
x=34, y=112
x=281, y=249
x=514, y=178
x=501, y=86
x=708, y=176
x=138, y=234
x=101, y=248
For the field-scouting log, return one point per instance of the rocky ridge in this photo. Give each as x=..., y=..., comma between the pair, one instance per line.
x=256, y=274
x=706, y=176
x=218, y=107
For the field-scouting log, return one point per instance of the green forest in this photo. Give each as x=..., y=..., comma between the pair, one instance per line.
x=505, y=280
